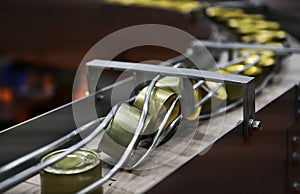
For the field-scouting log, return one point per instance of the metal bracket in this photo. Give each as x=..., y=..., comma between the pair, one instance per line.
x=246, y=82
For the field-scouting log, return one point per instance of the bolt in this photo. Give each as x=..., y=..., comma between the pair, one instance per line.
x=295, y=140
x=295, y=157
x=255, y=125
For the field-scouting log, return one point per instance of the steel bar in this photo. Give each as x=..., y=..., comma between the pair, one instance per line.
x=130, y=146
x=237, y=45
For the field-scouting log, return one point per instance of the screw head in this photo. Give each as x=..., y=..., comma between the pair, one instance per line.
x=295, y=140
x=255, y=125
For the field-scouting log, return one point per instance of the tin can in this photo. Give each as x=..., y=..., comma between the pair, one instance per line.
x=264, y=36
x=121, y=129
x=267, y=53
x=266, y=61
x=173, y=84
x=160, y=102
x=222, y=14
x=268, y=25
x=274, y=43
x=236, y=92
x=217, y=100
x=72, y=173
x=253, y=58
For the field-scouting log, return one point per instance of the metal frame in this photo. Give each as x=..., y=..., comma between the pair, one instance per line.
x=247, y=83
x=238, y=45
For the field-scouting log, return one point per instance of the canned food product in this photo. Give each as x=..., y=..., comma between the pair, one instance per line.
x=213, y=11
x=246, y=29
x=121, y=129
x=264, y=36
x=264, y=24
x=263, y=53
x=252, y=71
x=160, y=102
x=236, y=92
x=72, y=173
x=252, y=59
x=229, y=14
x=274, y=43
x=173, y=84
x=266, y=61
x=222, y=14
x=234, y=68
x=217, y=100
x=238, y=22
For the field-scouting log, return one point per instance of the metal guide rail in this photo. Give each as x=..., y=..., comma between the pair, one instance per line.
x=148, y=76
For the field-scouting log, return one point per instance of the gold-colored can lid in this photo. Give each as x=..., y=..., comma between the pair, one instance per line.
x=181, y=6
x=246, y=29
x=257, y=38
x=274, y=43
x=266, y=61
x=78, y=162
x=188, y=6
x=263, y=36
x=220, y=93
x=254, y=17
x=238, y=22
x=248, y=39
x=170, y=83
x=268, y=53
x=281, y=34
x=252, y=59
x=223, y=13
x=264, y=24
x=213, y=11
x=252, y=71
x=234, y=23
x=173, y=84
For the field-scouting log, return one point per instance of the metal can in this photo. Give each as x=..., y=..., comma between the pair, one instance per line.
x=173, y=84
x=121, y=129
x=266, y=53
x=221, y=14
x=266, y=61
x=72, y=173
x=217, y=100
x=160, y=102
x=264, y=36
x=264, y=24
x=236, y=92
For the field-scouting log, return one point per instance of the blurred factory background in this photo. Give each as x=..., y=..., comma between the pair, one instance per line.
x=43, y=42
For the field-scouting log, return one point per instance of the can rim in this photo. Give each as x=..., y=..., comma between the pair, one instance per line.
x=93, y=161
